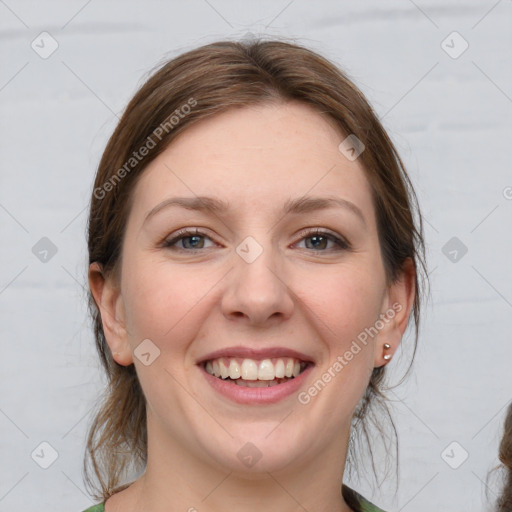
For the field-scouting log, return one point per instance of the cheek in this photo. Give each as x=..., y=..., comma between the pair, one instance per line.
x=348, y=304
x=346, y=300
x=345, y=305
x=159, y=300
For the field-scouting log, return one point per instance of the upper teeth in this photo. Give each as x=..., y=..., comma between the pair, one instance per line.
x=250, y=369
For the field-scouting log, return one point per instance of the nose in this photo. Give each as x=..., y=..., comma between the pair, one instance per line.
x=257, y=290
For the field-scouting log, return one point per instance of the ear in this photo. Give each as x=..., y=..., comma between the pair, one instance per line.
x=397, y=306
x=107, y=296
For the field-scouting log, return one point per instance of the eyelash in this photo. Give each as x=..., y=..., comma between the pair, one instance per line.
x=343, y=245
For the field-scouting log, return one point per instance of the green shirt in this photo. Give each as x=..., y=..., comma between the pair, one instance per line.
x=365, y=505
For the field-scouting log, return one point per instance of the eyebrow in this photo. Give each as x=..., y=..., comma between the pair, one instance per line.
x=301, y=205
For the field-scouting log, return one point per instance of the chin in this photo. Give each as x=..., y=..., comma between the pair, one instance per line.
x=253, y=457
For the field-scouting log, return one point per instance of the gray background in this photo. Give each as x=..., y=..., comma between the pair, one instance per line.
x=449, y=116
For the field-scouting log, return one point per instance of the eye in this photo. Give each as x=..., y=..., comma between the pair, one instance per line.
x=321, y=239
x=191, y=239
x=317, y=239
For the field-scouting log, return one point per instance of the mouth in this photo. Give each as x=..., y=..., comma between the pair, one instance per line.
x=256, y=373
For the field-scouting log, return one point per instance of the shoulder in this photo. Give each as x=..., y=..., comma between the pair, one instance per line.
x=96, y=508
x=363, y=503
x=366, y=506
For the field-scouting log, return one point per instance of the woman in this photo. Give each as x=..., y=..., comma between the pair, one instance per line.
x=505, y=454
x=253, y=267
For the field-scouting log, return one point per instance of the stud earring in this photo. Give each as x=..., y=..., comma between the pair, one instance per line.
x=387, y=346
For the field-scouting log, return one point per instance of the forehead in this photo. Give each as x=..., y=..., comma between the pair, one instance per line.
x=256, y=157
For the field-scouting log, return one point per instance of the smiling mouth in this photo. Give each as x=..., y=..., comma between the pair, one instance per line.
x=253, y=373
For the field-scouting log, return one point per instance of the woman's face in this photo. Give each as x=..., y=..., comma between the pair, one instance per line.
x=268, y=263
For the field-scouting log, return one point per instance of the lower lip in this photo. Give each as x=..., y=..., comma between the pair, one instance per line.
x=245, y=395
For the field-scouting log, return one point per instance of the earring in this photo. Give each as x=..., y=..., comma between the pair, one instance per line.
x=387, y=346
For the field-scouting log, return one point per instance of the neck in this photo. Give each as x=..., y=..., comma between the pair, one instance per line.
x=176, y=481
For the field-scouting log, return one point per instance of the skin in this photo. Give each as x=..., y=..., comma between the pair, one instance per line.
x=302, y=292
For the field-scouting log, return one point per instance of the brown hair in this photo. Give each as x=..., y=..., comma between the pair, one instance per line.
x=209, y=80
x=504, y=503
